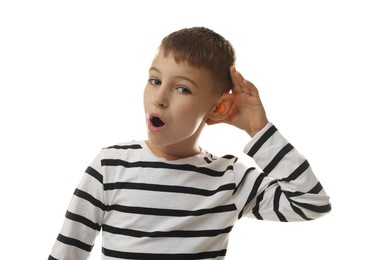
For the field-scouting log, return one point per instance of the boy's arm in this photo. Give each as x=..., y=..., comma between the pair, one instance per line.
x=83, y=219
x=286, y=189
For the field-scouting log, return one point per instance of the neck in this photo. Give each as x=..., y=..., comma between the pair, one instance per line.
x=172, y=153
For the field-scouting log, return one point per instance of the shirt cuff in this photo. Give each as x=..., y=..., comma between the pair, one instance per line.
x=256, y=137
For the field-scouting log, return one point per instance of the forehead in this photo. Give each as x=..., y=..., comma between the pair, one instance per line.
x=168, y=66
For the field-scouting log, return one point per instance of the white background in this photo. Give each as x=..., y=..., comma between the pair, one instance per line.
x=72, y=75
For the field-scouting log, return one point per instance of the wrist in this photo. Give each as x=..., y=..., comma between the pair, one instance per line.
x=257, y=127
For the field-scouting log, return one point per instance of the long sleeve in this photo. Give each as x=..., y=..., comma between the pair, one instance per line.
x=285, y=187
x=83, y=218
x=143, y=204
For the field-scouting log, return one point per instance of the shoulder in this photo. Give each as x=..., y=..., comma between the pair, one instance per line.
x=122, y=150
x=223, y=163
x=225, y=159
x=135, y=144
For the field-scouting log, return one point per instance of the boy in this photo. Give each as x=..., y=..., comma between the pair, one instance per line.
x=166, y=197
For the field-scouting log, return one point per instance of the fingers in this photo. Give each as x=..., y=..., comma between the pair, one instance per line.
x=237, y=80
x=241, y=85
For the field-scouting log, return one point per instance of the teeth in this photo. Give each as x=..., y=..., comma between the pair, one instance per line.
x=157, y=122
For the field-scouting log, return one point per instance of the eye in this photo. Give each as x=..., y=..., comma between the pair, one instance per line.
x=184, y=90
x=154, y=82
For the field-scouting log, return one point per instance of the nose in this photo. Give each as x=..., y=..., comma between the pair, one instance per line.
x=160, y=99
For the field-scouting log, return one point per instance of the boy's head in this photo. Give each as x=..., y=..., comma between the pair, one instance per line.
x=188, y=87
x=202, y=48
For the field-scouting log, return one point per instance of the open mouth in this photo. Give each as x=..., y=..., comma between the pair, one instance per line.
x=157, y=122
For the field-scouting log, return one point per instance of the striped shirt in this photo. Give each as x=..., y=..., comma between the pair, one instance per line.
x=150, y=208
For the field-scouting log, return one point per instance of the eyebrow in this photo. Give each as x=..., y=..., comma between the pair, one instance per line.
x=179, y=77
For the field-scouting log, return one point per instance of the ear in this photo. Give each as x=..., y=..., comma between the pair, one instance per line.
x=222, y=109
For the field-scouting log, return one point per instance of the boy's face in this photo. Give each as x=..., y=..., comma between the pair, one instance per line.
x=177, y=99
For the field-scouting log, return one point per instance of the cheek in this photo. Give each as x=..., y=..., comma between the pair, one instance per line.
x=145, y=92
x=146, y=96
x=192, y=116
x=198, y=111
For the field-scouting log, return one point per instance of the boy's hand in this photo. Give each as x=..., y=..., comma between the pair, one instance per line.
x=248, y=112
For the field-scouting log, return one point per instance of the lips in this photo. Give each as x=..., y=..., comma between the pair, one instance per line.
x=155, y=122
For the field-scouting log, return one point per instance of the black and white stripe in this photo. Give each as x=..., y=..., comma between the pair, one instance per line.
x=144, y=205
